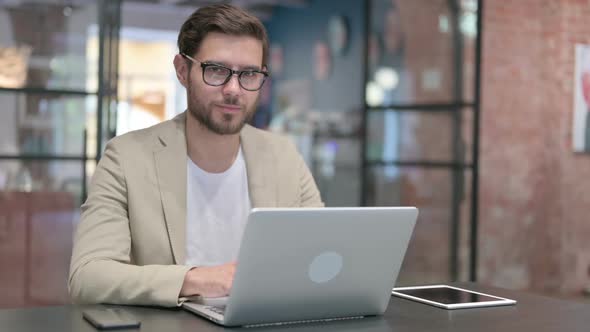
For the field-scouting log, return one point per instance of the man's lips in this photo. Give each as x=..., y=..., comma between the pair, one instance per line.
x=227, y=108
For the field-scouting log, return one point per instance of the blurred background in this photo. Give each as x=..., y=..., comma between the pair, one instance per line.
x=466, y=109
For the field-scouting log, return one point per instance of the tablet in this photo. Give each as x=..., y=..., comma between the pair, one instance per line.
x=449, y=297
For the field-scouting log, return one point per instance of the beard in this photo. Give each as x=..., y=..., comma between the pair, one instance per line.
x=229, y=124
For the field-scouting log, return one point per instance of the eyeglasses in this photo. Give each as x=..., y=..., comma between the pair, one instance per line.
x=217, y=75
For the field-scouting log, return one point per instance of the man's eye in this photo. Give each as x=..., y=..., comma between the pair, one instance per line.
x=249, y=74
x=217, y=70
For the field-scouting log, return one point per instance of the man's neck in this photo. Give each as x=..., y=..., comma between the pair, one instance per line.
x=212, y=152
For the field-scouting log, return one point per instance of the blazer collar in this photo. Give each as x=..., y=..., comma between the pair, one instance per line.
x=260, y=167
x=171, y=158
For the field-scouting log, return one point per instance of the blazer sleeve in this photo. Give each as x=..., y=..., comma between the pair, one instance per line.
x=101, y=269
x=309, y=192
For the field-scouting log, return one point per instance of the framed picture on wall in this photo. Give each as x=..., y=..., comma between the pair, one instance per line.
x=581, y=124
x=338, y=34
x=13, y=66
x=322, y=61
x=277, y=59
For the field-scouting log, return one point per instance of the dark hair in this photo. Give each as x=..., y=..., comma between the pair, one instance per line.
x=222, y=18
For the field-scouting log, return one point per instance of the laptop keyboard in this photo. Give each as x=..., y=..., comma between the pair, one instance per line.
x=218, y=310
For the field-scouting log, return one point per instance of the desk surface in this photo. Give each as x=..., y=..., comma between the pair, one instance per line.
x=532, y=313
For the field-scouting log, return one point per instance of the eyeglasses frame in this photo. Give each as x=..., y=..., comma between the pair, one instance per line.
x=239, y=73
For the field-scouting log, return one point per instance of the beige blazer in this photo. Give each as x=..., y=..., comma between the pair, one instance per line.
x=130, y=245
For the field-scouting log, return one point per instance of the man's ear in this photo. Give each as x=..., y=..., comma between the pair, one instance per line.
x=182, y=70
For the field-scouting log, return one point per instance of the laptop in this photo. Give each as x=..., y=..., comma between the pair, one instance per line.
x=313, y=264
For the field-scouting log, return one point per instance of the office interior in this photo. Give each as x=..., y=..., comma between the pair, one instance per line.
x=474, y=111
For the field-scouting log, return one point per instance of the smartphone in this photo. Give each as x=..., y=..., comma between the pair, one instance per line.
x=110, y=318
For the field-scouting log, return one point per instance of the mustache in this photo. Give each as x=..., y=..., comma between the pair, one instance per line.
x=231, y=100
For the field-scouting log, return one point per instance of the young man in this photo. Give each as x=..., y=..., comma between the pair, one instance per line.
x=168, y=204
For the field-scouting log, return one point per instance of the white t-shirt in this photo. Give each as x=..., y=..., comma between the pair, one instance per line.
x=217, y=210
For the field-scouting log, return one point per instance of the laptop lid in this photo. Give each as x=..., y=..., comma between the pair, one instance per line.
x=318, y=263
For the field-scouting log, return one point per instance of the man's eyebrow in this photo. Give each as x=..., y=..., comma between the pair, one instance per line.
x=249, y=67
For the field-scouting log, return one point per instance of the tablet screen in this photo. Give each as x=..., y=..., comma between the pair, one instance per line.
x=446, y=295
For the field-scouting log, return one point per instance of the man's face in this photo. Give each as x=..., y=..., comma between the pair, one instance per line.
x=224, y=109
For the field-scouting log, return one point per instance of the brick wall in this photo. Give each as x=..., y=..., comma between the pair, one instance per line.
x=535, y=192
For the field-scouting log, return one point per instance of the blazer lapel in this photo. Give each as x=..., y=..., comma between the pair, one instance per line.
x=170, y=158
x=259, y=159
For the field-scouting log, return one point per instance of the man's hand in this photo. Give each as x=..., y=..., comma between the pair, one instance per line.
x=209, y=281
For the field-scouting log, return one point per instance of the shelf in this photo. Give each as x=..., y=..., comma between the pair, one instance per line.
x=442, y=107
x=45, y=157
x=48, y=91
x=419, y=163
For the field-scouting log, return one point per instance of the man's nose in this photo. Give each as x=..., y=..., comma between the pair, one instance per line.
x=232, y=86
